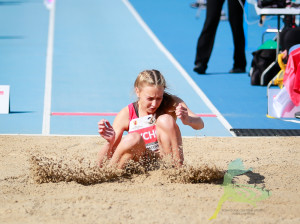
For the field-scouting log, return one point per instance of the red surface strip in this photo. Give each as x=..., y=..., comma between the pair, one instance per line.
x=82, y=114
x=206, y=115
x=105, y=114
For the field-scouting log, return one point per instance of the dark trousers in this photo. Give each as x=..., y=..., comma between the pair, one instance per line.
x=207, y=36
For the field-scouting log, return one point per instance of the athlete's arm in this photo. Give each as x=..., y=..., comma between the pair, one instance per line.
x=187, y=116
x=112, y=134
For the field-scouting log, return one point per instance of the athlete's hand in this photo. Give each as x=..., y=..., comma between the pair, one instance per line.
x=106, y=131
x=182, y=113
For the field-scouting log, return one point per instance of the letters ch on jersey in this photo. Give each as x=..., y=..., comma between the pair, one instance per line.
x=146, y=127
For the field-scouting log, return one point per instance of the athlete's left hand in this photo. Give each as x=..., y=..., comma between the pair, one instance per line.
x=182, y=113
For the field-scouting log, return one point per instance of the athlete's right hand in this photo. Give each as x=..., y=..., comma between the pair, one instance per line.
x=106, y=131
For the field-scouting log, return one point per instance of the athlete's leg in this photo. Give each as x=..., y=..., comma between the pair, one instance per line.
x=131, y=147
x=169, y=138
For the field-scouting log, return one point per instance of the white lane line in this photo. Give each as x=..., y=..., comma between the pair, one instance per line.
x=178, y=67
x=48, y=76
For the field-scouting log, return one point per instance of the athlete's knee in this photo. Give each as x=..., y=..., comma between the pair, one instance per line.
x=131, y=140
x=133, y=146
x=166, y=121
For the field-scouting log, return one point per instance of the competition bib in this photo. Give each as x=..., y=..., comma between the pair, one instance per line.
x=146, y=128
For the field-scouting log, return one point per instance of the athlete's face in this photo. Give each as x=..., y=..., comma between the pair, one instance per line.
x=150, y=98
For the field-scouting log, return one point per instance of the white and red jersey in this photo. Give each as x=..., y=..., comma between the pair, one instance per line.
x=144, y=126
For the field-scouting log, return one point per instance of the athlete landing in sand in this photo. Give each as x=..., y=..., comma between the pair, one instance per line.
x=150, y=122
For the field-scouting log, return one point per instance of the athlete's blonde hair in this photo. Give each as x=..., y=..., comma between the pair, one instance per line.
x=150, y=77
x=155, y=78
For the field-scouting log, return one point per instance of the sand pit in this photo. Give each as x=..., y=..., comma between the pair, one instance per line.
x=55, y=180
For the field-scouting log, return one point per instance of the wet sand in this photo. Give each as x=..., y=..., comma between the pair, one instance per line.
x=162, y=195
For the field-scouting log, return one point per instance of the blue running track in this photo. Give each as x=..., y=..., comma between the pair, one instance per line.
x=90, y=59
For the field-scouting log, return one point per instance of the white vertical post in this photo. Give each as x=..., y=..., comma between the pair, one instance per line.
x=48, y=78
x=4, y=99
